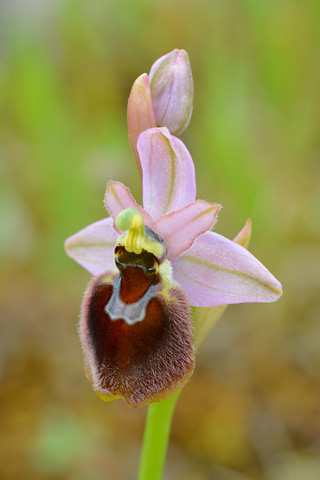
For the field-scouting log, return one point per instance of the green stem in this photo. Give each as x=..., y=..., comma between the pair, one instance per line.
x=155, y=439
x=158, y=422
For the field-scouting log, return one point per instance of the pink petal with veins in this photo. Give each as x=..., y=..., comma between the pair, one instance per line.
x=217, y=271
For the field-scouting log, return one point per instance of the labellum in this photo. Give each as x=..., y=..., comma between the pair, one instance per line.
x=135, y=327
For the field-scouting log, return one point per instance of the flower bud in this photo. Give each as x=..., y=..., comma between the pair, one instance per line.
x=140, y=112
x=171, y=86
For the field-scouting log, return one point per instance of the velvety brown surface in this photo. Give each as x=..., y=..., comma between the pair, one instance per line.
x=148, y=358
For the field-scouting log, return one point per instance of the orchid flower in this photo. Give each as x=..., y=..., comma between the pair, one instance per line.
x=150, y=264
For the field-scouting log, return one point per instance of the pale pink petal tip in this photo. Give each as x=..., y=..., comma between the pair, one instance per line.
x=244, y=236
x=93, y=246
x=217, y=271
x=172, y=91
x=118, y=198
x=168, y=175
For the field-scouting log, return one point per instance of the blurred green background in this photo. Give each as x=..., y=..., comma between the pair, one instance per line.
x=252, y=409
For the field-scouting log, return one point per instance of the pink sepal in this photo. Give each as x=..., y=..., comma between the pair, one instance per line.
x=217, y=271
x=168, y=175
x=93, y=246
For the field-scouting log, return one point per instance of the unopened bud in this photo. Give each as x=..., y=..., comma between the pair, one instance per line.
x=140, y=112
x=171, y=87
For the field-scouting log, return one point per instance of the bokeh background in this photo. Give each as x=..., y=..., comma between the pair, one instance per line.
x=252, y=409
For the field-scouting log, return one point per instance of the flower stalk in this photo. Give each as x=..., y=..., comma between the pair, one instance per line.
x=159, y=417
x=156, y=438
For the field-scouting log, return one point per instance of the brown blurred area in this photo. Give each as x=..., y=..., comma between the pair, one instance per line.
x=252, y=408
